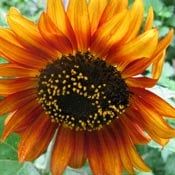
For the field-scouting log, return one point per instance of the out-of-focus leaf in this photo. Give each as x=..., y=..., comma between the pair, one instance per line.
x=163, y=30
x=154, y=160
x=8, y=154
x=165, y=79
x=171, y=21
x=9, y=167
x=169, y=167
x=13, y=167
x=28, y=169
x=145, y=173
x=166, y=12
x=157, y=5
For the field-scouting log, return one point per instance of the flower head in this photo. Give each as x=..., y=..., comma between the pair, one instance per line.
x=77, y=73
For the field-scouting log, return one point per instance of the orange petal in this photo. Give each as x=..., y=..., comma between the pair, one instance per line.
x=28, y=34
x=135, y=68
x=149, y=20
x=9, y=36
x=17, y=54
x=13, y=70
x=157, y=139
x=136, y=160
x=22, y=118
x=135, y=49
x=160, y=54
x=110, y=33
x=125, y=159
x=133, y=115
x=153, y=120
x=136, y=18
x=130, y=149
x=136, y=133
x=141, y=82
x=79, y=18
x=56, y=12
x=164, y=43
x=113, y=7
x=17, y=100
x=157, y=103
x=34, y=142
x=62, y=150
x=138, y=66
x=96, y=8
x=102, y=152
x=11, y=86
x=158, y=66
x=79, y=154
x=55, y=38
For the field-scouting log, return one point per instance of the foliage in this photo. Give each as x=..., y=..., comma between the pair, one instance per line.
x=161, y=160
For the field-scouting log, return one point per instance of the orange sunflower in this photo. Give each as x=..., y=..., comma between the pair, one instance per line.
x=77, y=74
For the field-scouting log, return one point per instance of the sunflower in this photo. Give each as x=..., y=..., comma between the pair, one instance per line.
x=76, y=74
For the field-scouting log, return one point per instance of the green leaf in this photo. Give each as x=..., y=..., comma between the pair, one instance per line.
x=157, y=5
x=171, y=21
x=8, y=153
x=9, y=167
x=169, y=167
x=145, y=173
x=166, y=12
x=163, y=30
x=28, y=169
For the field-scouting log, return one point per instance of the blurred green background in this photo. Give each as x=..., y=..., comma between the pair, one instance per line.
x=161, y=160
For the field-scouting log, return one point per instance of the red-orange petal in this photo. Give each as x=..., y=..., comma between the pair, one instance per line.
x=56, y=11
x=136, y=160
x=28, y=34
x=153, y=120
x=136, y=19
x=130, y=149
x=135, y=131
x=11, y=86
x=102, y=153
x=110, y=33
x=17, y=100
x=156, y=103
x=34, y=142
x=149, y=20
x=141, y=82
x=96, y=8
x=138, y=66
x=78, y=157
x=125, y=159
x=14, y=70
x=113, y=7
x=79, y=18
x=135, y=49
x=54, y=36
x=22, y=118
x=158, y=66
x=17, y=54
x=160, y=54
x=134, y=116
x=62, y=150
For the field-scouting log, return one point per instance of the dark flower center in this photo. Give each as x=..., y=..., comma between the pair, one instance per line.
x=82, y=92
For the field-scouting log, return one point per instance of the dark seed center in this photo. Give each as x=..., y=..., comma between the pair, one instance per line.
x=76, y=105
x=82, y=92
